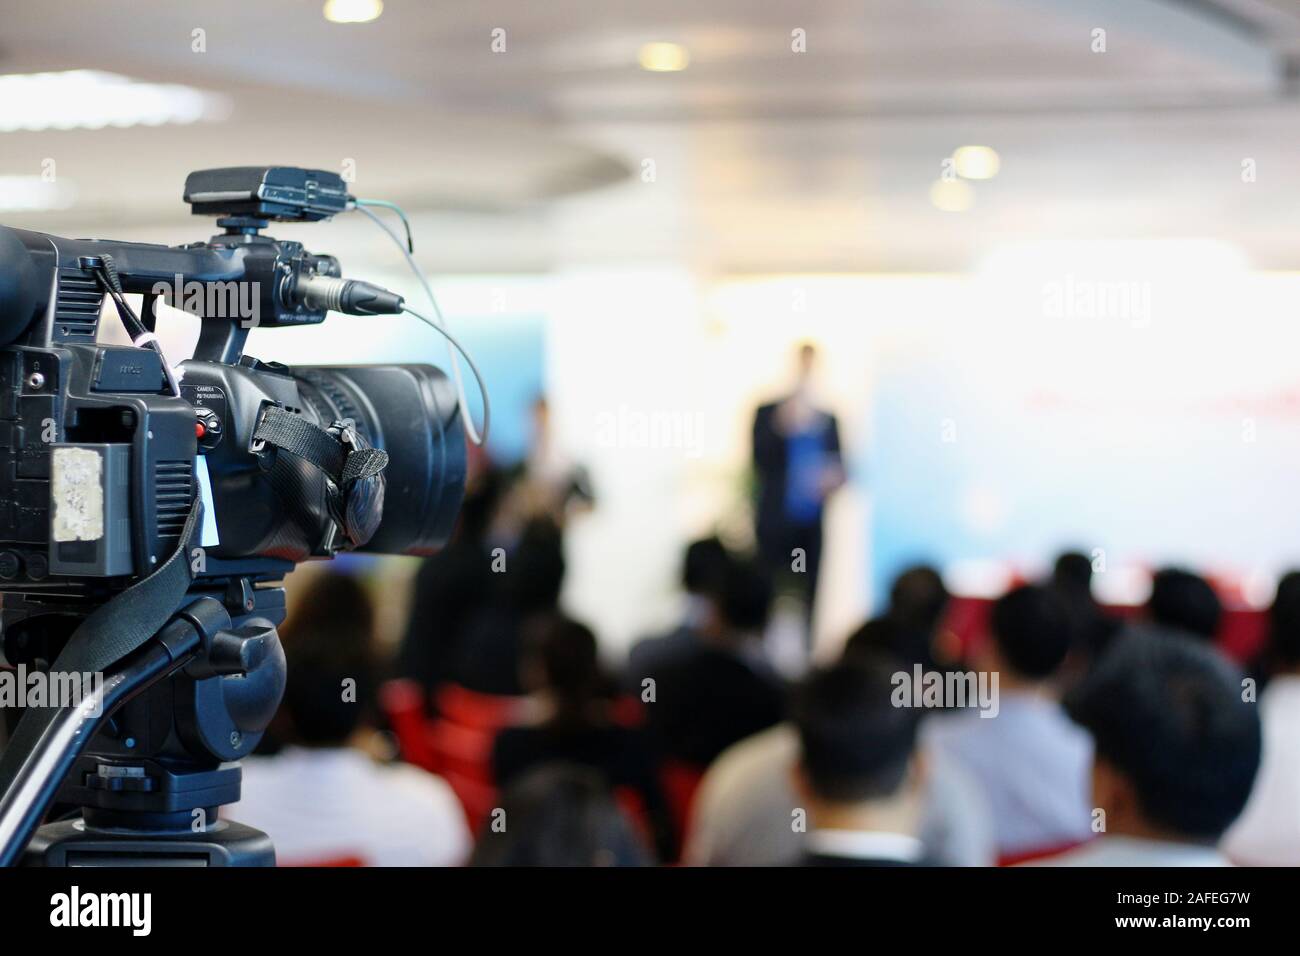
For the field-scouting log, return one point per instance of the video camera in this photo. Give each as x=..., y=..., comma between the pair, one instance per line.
x=148, y=514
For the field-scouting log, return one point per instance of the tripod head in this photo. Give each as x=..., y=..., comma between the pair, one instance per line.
x=165, y=732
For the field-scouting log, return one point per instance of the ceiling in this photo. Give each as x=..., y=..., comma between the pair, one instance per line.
x=763, y=159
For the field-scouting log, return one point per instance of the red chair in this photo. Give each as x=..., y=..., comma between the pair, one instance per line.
x=457, y=744
x=473, y=709
x=402, y=702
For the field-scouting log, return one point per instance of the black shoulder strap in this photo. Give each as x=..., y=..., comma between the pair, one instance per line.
x=108, y=634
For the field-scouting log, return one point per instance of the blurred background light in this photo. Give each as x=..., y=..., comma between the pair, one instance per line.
x=89, y=99
x=353, y=11
x=663, y=57
x=976, y=162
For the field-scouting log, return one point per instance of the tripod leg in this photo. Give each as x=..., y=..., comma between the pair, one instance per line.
x=65, y=732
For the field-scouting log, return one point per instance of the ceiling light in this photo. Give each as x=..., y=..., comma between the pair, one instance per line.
x=88, y=99
x=663, y=57
x=28, y=193
x=353, y=11
x=976, y=162
x=951, y=195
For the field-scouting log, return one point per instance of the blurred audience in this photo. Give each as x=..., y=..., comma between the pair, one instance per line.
x=1149, y=762
x=559, y=815
x=858, y=772
x=911, y=628
x=1029, y=761
x=1176, y=753
x=724, y=690
x=573, y=724
x=527, y=583
x=451, y=587
x=324, y=800
x=704, y=570
x=1184, y=601
x=1268, y=832
x=1092, y=628
x=742, y=810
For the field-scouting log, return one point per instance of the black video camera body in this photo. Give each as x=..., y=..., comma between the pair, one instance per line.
x=109, y=458
x=100, y=460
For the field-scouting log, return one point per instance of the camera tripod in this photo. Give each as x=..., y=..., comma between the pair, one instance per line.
x=150, y=756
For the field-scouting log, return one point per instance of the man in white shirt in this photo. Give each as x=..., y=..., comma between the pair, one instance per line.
x=1176, y=752
x=324, y=801
x=335, y=806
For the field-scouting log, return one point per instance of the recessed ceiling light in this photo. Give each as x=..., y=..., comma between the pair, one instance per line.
x=88, y=99
x=951, y=195
x=663, y=57
x=353, y=11
x=976, y=162
x=27, y=193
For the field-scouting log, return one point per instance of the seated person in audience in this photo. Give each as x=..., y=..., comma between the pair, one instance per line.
x=526, y=590
x=559, y=815
x=858, y=775
x=1029, y=761
x=703, y=573
x=724, y=691
x=571, y=698
x=452, y=587
x=324, y=800
x=1268, y=832
x=742, y=810
x=1176, y=752
x=1092, y=629
x=911, y=628
x=1184, y=601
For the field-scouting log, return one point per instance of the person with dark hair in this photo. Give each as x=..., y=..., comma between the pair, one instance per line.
x=1093, y=629
x=918, y=598
x=1176, y=752
x=704, y=569
x=324, y=800
x=1029, y=762
x=527, y=581
x=858, y=773
x=559, y=815
x=742, y=810
x=1183, y=601
x=1268, y=832
x=723, y=692
x=797, y=464
x=451, y=587
x=910, y=628
x=571, y=699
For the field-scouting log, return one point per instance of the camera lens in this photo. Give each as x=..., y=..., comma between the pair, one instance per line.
x=411, y=412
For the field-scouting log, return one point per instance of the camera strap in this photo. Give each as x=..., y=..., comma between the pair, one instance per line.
x=339, y=457
x=110, y=633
